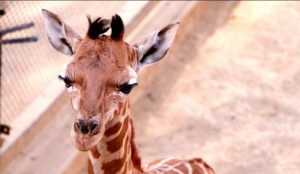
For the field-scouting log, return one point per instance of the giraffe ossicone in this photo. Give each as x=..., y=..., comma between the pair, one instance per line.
x=101, y=75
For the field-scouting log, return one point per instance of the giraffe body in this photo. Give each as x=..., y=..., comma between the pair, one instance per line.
x=99, y=78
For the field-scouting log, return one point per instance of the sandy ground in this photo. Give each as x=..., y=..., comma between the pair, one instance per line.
x=229, y=96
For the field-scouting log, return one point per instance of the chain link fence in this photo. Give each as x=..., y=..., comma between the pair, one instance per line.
x=30, y=67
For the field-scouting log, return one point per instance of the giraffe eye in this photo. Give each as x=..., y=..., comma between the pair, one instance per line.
x=68, y=81
x=126, y=88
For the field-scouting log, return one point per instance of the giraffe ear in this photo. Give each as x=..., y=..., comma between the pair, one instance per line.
x=60, y=35
x=154, y=47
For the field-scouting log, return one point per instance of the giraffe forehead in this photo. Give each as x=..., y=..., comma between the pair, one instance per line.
x=98, y=61
x=105, y=48
x=122, y=75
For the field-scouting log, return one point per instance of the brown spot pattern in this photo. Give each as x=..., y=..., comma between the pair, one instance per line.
x=196, y=169
x=135, y=157
x=90, y=167
x=95, y=152
x=114, y=166
x=197, y=162
x=183, y=168
x=197, y=165
x=113, y=130
x=116, y=143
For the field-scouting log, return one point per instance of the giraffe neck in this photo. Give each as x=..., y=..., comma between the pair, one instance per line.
x=116, y=151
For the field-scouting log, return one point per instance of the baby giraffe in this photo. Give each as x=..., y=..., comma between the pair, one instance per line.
x=101, y=74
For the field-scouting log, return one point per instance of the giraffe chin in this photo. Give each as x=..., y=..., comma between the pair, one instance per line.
x=85, y=142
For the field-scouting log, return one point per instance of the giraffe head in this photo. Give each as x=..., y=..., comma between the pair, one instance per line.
x=103, y=70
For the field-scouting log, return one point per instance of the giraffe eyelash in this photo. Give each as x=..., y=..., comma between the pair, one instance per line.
x=68, y=82
x=126, y=88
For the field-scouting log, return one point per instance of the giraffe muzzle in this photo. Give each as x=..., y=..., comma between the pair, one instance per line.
x=86, y=127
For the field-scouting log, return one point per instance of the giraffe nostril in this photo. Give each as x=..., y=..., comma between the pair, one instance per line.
x=86, y=127
x=93, y=128
x=81, y=126
x=76, y=127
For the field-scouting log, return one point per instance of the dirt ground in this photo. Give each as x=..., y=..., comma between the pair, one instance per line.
x=229, y=93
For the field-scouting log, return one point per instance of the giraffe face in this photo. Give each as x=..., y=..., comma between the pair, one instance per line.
x=103, y=70
x=99, y=79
